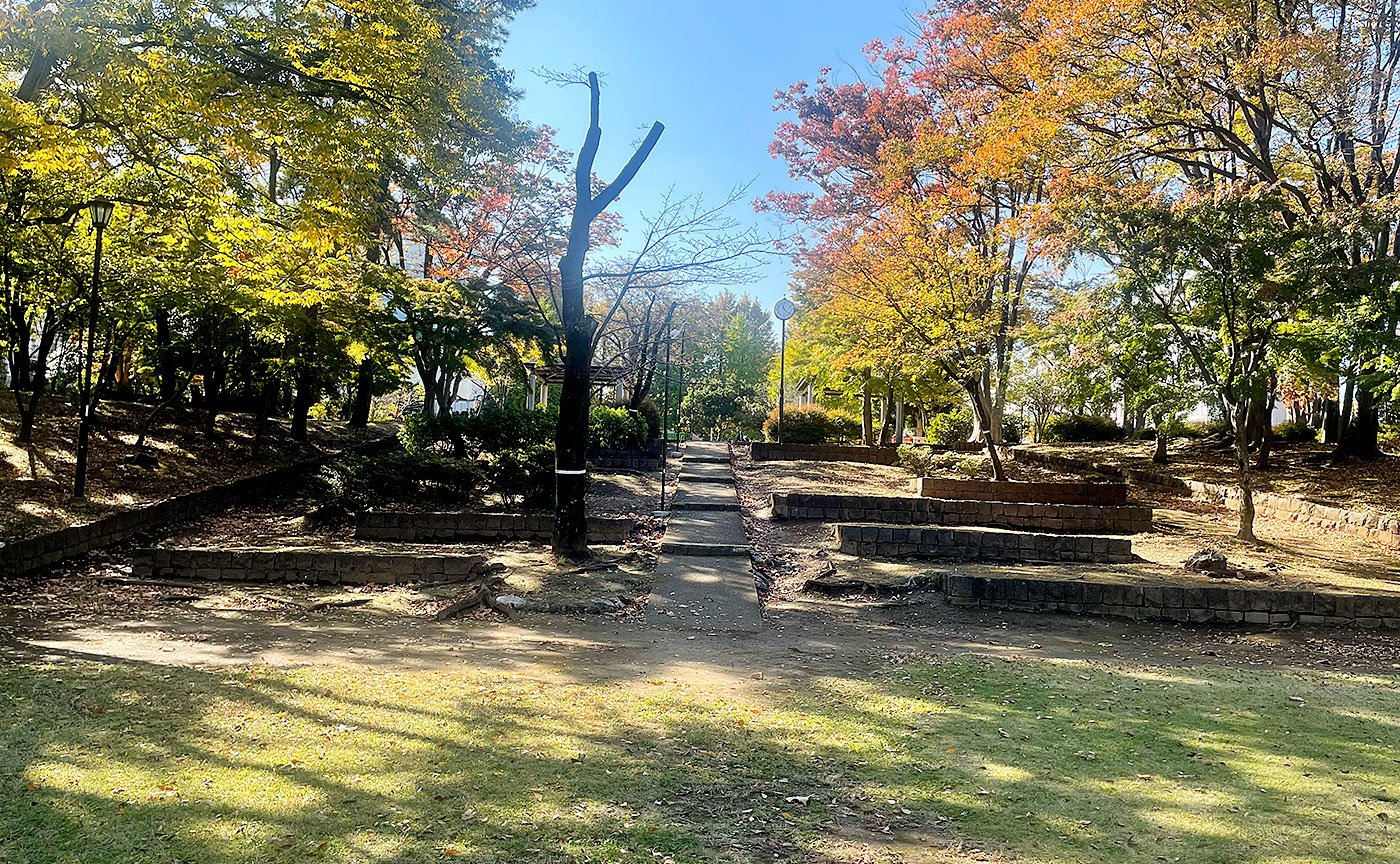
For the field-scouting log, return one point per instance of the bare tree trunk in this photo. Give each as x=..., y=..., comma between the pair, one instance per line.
x=1361, y=437
x=571, y=434
x=364, y=394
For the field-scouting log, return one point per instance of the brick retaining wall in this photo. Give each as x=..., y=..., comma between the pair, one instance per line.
x=970, y=544
x=1366, y=526
x=453, y=527
x=34, y=553
x=1100, y=494
x=1173, y=602
x=317, y=567
x=1067, y=518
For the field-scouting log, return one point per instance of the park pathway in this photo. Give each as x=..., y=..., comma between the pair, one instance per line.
x=706, y=577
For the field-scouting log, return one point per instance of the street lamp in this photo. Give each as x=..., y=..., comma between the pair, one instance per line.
x=783, y=310
x=666, y=415
x=100, y=211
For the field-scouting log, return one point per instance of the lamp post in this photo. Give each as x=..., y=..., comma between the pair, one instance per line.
x=782, y=310
x=100, y=211
x=666, y=416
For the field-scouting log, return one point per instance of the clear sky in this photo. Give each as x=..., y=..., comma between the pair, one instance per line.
x=707, y=70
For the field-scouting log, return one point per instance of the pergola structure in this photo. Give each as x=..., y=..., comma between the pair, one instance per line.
x=540, y=378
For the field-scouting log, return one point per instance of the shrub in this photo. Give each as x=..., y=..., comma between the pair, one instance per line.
x=523, y=476
x=1075, y=428
x=1200, y=429
x=355, y=483
x=1294, y=432
x=1010, y=431
x=919, y=460
x=950, y=428
x=802, y=424
x=845, y=426
x=615, y=428
x=652, y=415
x=972, y=466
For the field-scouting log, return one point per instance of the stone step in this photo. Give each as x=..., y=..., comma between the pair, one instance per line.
x=705, y=472
x=705, y=533
x=706, y=496
x=705, y=593
x=980, y=544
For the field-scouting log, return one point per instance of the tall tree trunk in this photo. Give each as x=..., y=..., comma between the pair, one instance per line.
x=982, y=409
x=887, y=415
x=165, y=360
x=1361, y=439
x=302, y=402
x=1246, y=485
x=867, y=421
x=364, y=394
x=899, y=412
x=570, y=537
x=1331, y=423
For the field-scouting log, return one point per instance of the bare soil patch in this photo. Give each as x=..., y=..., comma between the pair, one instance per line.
x=36, y=480
x=1303, y=470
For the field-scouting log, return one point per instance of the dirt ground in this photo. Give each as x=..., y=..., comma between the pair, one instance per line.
x=1291, y=555
x=1296, y=469
x=36, y=481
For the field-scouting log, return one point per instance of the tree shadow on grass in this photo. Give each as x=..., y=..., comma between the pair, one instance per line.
x=1047, y=761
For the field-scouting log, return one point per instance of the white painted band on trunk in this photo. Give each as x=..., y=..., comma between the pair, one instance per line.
x=572, y=473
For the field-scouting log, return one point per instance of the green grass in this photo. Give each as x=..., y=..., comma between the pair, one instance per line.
x=1029, y=760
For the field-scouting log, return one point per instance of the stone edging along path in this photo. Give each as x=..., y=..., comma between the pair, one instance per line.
x=1366, y=526
x=43, y=550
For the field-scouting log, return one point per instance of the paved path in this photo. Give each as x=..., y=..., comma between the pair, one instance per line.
x=706, y=576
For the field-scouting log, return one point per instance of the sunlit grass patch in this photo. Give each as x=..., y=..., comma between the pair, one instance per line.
x=1035, y=761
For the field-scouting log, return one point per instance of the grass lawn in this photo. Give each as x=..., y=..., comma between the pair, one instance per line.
x=1028, y=760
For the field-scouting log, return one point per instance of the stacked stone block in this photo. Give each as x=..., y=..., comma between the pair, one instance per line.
x=1054, y=518
x=1093, y=494
x=307, y=566
x=1203, y=604
x=980, y=544
x=457, y=527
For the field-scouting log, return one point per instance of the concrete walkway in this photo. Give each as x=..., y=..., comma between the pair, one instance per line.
x=705, y=575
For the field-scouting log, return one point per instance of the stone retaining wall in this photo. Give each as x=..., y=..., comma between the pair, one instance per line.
x=34, y=553
x=1097, y=494
x=1367, y=526
x=318, y=567
x=1173, y=602
x=971, y=544
x=1066, y=518
x=768, y=451
x=454, y=527
x=629, y=460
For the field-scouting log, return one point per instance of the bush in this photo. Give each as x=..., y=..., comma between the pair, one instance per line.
x=950, y=428
x=652, y=415
x=972, y=466
x=615, y=428
x=487, y=430
x=523, y=476
x=356, y=483
x=845, y=426
x=918, y=459
x=802, y=424
x=1200, y=429
x=1010, y=431
x=1078, y=428
x=1295, y=432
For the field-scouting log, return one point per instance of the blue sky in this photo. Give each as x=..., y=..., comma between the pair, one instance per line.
x=708, y=70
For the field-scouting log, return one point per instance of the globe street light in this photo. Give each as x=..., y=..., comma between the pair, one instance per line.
x=782, y=310
x=100, y=211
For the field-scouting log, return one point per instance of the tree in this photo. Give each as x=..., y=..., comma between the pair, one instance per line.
x=571, y=438
x=1225, y=274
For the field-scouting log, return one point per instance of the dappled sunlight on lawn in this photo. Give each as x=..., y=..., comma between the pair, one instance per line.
x=1049, y=761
